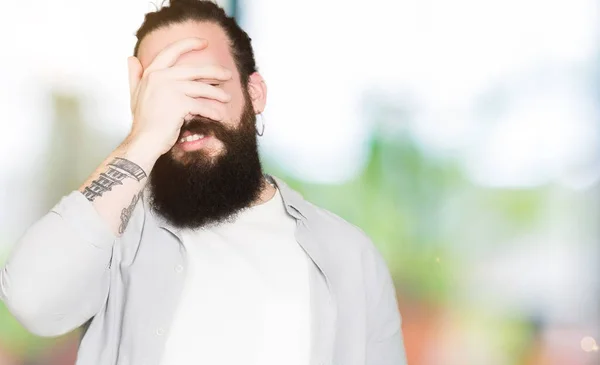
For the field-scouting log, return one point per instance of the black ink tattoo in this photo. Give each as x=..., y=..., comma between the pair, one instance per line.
x=118, y=170
x=126, y=213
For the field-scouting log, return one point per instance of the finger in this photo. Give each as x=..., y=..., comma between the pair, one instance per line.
x=168, y=56
x=197, y=107
x=196, y=89
x=208, y=72
x=134, y=67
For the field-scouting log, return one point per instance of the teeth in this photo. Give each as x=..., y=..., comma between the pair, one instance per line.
x=191, y=138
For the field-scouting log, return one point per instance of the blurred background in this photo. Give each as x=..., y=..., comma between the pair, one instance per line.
x=462, y=135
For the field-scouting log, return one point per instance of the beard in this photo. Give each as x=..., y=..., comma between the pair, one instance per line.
x=198, y=189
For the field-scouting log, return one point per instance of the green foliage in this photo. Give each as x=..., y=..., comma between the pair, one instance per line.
x=14, y=337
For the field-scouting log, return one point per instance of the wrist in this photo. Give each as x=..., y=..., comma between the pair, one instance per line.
x=141, y=152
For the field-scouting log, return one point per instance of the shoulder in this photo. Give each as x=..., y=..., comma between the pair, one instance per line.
x=334, y=229
x=330, y=223
x=351, y=247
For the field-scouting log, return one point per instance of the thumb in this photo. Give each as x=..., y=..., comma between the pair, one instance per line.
x=135, y=73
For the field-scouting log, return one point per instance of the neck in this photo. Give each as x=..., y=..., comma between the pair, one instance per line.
x=267, y=191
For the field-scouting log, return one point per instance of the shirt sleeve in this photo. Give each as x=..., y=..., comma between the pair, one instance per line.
x=57, y=275
x=385, y=344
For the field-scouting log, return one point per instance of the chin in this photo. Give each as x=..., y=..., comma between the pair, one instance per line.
x=207, y=157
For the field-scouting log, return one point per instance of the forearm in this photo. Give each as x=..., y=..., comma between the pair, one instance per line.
x=115, y=186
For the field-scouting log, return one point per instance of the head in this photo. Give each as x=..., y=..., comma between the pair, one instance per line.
x=193, y=188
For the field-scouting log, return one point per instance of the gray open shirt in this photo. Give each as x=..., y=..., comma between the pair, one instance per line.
x=70, y=270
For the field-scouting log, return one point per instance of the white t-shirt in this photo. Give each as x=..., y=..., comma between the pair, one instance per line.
x=246, y=298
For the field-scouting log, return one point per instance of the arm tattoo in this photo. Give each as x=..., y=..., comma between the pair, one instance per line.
x=118, y=170
x=126, y=213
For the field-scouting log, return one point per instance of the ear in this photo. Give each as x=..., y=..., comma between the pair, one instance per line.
x=257, y=88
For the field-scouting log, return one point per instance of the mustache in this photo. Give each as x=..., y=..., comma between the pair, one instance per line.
x=204, y=126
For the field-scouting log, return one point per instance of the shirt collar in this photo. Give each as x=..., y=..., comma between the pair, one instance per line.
x=295, y=205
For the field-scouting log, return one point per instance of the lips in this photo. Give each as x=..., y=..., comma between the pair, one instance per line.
x=198, y=131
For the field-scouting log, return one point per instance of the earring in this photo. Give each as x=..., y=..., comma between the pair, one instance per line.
x=260, y=131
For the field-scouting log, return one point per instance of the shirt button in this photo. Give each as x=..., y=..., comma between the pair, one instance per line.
x=178, y=269
x=160, y=332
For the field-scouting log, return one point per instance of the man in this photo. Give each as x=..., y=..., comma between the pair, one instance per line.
x=178, y=250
